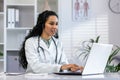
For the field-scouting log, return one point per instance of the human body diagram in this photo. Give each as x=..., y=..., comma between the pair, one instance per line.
x=81, y=9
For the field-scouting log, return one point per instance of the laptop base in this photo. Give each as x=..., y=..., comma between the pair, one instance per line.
x=68, y=73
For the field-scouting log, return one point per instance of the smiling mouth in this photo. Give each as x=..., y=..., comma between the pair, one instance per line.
x=53, y=31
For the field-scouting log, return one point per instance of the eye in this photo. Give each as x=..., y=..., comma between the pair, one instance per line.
x=56, y=23
x=52, y=23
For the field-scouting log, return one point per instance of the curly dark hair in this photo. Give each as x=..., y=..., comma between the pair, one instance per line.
x=36, y=31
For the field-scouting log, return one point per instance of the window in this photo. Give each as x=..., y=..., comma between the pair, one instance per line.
x=80, y=31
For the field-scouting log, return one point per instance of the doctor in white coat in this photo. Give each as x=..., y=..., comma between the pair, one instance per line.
x=42, y=51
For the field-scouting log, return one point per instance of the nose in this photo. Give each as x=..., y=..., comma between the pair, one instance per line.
x=55, y=26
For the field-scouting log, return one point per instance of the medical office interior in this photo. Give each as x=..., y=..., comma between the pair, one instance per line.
x=17, y=17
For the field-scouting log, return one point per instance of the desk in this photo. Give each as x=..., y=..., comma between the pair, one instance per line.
x=107, y=76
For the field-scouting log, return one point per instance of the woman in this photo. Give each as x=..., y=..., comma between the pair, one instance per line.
x=41, y=51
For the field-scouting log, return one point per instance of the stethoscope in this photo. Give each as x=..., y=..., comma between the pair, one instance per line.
x=44, y=51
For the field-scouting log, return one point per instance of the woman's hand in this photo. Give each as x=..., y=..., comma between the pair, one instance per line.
x=74, y=69
x=71, y=67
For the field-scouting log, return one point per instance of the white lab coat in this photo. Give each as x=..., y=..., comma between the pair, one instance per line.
x=43, y=62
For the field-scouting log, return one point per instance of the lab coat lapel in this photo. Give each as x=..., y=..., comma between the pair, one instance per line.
x=52, y=45
x=51, y=48
x=43, y=45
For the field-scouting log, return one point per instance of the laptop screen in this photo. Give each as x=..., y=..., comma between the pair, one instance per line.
x=97, y=58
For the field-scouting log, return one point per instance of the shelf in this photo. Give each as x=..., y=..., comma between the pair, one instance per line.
x=1, y=13
x=1, y=59
x=20, y=5
x=12, y=49
x=20, y=2
x=15, y=39
x=19, y=28
x=1, y=43
x=25, y=16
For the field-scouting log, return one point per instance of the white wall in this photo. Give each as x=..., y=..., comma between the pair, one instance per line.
x=114, y=31
x=98, y=7
x=101, y=7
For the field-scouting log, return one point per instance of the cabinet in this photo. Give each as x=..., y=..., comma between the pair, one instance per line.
x=17, y=17
x=20, y=17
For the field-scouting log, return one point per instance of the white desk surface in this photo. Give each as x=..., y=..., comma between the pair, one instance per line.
x=45, y=76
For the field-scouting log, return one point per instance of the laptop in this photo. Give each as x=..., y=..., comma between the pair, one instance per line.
x=96, y=61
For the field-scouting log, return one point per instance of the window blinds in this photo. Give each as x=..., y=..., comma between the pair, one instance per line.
x=78, y=32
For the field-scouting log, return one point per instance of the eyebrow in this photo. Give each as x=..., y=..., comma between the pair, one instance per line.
x=53, y=21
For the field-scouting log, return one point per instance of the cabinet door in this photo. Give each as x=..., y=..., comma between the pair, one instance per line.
x=13, y=63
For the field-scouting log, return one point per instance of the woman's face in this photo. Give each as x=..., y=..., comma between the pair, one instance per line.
x=51, y=26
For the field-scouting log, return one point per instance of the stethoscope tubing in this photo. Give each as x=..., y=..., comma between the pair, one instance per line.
x=44, y=51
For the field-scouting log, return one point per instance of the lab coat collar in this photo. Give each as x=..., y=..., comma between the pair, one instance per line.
x=44, y=46
x=52, y=45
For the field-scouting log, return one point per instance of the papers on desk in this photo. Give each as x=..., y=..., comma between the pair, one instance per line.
x=1, y=73
x=93, y=76
x=33, y=74
x=14, y=74
x=39, y=76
